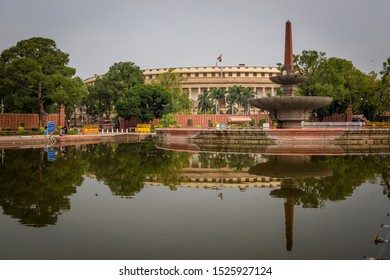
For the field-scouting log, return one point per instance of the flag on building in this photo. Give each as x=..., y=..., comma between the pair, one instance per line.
x=219, y=58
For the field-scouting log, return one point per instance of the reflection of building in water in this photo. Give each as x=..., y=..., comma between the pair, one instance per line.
x=289, y=168
x=213, y=170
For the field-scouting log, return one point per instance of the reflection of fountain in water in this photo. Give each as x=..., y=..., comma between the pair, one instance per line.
x=289, y=168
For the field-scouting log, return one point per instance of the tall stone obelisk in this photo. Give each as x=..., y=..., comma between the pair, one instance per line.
x=288, y=50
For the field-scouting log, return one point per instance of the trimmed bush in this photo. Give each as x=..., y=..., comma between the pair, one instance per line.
x=72, y=132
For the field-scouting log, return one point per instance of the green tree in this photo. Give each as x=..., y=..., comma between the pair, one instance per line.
x=112, y=86
x=72, y=97
x=235, y=97
x=204, y=102
x=146, y=102
x=218, y=95
x=247, y=94
x=341, y=80
x=38, y=69
x=172, y=82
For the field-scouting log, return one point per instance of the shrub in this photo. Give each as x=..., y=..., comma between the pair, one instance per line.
x=178, y=126
x=41, y=129
x=21, y=129
x=261, y=122
x=22, y=124
x=252, y=122
x=72, y=132
x=168, y=121
x=8, y=129
x=197, y=126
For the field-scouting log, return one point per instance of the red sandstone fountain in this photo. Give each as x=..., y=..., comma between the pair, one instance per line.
x=289, y=110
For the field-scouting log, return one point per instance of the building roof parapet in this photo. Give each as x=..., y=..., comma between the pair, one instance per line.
x=215, y=68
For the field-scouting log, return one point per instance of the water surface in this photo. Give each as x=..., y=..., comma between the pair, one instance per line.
x=134, y=201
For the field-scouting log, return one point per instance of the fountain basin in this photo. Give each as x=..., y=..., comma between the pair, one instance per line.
x=291, y=79
x=290, y=111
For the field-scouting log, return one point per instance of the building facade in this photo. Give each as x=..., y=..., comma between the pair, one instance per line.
x=203, y=78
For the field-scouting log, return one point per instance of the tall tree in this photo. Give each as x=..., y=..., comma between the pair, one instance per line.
x=235, y=97
x=111, y=87
x=37, y=67
x=204, y=102
x=247, y=94
x=172, y=81
x=145, y=102
x=218, y=95
x=307, y=64
x=72, y=96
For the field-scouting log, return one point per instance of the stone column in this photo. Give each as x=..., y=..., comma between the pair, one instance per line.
x=288, y=51
x=61, y=116
x=349, y=113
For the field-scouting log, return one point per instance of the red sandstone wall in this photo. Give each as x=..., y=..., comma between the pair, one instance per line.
x=336, y=118
x=201, y=120
x=30, y=120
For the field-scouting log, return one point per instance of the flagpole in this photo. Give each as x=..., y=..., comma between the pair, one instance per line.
x=219, y=58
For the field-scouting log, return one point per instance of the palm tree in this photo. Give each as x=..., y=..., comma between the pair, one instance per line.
x=230, y=99
x=247, y=94
x=235, y=96
x=217, y=94
x=205, y=102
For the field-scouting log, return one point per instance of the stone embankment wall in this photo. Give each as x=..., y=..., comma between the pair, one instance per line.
x=326, y=141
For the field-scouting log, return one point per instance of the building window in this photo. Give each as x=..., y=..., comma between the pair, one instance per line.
x=263, y=74
x=188, y=75
x=238, y=74
x=204, y=74
x=196, y=74
x=230, y=74
x=246, y=74
x=254, y=74
x=150, y=77
x=212, y=74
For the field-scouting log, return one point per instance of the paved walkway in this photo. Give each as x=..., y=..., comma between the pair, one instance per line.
x=14, y=141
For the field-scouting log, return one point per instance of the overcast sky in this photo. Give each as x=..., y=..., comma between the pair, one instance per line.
x=177, y=33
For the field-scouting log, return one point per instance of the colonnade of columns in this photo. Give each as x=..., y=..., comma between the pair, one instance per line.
x=260, y=91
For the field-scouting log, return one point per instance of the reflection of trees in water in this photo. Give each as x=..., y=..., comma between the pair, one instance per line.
x=349, y=172
x=35, y=191
x=384, y=162
x=124, y=167
x=234, y=161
